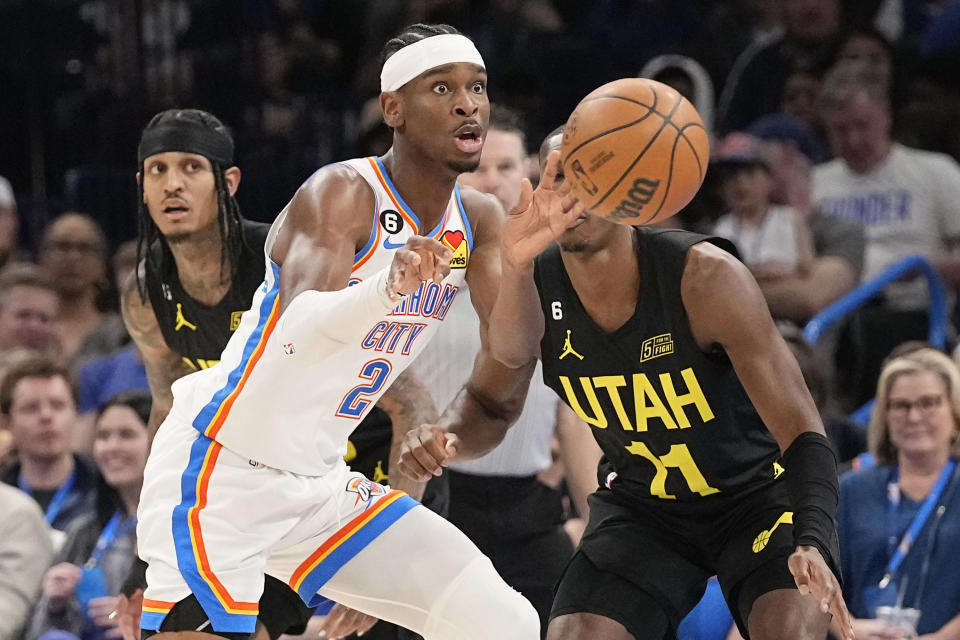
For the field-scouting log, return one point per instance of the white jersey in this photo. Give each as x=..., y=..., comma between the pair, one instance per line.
x=446, y=364
x=907, y=204
x=287, y=393
x=775, y=239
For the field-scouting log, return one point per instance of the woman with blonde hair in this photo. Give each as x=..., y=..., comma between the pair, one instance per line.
x=899, y=522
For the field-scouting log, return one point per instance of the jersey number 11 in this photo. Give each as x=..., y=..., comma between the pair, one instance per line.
x=679, y=458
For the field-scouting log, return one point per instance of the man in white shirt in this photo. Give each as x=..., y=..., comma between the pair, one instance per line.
x=907, y=199
x=500, y=499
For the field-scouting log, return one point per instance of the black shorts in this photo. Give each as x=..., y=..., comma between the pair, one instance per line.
x=281, y=611
x=666, y=551
x=517, y=522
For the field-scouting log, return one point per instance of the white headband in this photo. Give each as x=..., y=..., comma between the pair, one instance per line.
x=412, y=60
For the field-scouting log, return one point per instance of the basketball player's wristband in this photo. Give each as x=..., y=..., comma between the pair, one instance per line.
x=811, y=477
x=341, y=316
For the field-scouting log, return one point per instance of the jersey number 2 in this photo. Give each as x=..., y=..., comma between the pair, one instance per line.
x=678, y=457
x=358, y=399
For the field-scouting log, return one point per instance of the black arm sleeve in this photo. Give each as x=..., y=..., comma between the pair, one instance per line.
x=811, y=475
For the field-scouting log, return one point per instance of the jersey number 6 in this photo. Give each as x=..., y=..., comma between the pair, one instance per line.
x=358, y=399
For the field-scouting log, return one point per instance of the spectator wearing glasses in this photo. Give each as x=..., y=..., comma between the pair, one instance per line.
x=73, y=250
x=899, y=522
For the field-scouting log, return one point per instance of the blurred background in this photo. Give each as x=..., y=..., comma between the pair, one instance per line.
x=291, y=78
x=834, y=170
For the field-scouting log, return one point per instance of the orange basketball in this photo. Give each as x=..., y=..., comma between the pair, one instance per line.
x=635, y=150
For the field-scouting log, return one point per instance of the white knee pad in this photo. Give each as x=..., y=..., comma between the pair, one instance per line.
x=479, y=605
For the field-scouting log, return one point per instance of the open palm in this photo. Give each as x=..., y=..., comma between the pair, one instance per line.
x=540, y=217
x=815, y=579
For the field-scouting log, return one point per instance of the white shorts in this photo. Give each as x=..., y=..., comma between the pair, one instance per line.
x=212, y=523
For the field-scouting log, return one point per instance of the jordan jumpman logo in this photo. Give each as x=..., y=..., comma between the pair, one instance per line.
x=183, y=322
x=568, y=349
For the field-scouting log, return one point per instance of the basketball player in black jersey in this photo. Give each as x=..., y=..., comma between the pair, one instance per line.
x=715, y=459
x=199, y=263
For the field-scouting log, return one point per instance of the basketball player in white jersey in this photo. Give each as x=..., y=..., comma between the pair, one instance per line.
x=246, y=476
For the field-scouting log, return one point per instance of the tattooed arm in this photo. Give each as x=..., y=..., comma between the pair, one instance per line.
x=163, y=365
x=409, y=404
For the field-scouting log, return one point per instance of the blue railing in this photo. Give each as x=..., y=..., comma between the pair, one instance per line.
x=937, y=334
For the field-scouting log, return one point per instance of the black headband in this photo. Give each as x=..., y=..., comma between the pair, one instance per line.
x=188, y=137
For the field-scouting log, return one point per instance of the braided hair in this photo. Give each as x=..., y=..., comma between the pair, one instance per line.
x=414, y=33
x=228, y=216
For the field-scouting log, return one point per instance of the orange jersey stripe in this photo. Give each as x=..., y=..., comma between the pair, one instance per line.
x=340, y=537
x=199, y=549
x=224, y=410
x=393, y=197
x=157, y=606
x=442, y=225
x=359, y=262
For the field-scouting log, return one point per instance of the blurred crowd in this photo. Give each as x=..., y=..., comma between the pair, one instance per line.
x=835, y=151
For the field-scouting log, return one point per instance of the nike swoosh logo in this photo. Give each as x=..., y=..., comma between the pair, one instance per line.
x=392, y=245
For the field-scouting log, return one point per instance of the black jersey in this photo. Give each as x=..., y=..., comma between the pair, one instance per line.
x=199, y=332
x=673, y=422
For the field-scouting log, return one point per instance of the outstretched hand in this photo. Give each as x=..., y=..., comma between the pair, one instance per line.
x=540, y=216
x=814, y=578
x=420, y=259
x=425, y=452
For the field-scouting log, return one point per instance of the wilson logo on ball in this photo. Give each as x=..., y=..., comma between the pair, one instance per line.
x=640, y=195
x=635, y=150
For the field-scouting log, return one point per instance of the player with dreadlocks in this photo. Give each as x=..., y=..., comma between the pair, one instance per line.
x=189, y=290
x=199, y=263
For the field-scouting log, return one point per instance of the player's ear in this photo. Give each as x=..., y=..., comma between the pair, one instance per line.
x=232, y=176
x=391, y=103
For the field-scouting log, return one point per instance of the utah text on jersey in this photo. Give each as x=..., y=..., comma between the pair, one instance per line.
x=196, y=364
x=665, y=405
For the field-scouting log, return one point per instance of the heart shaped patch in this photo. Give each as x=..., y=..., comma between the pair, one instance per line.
x=453, y=239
